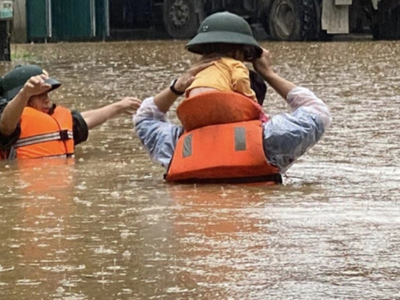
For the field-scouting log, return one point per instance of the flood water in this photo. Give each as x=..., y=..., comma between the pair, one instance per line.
x=106, y=226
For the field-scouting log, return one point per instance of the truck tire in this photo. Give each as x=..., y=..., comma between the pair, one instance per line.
x=387, y=25
x=293, y=20
x=180, y=18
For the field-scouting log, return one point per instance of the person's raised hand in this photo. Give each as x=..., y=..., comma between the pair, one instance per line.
x=129, y=105
x=36, y=85
x=263, y=65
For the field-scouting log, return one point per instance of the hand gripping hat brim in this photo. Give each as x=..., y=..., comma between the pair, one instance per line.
x=223, y=27
x=13, y=81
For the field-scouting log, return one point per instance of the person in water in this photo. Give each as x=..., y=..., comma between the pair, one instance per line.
x=226, y=139
x=285, y=137
x=31, y=126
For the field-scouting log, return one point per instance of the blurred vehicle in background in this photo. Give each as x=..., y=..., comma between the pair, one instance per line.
x=280, y=20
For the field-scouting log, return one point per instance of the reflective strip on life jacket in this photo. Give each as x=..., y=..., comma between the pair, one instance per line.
x=45, y=135
x=217, y=107
x=226, y=151
x=62, y=135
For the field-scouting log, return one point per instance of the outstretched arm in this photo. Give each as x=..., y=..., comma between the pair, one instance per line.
x=96, y=117
x=13, y=111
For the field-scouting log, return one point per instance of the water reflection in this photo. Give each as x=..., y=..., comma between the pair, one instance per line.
x=37, y=236
x=106, y=226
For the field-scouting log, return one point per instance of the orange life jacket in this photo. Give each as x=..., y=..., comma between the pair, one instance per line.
x=229, y=150
x=45, y=135
x=217, y=107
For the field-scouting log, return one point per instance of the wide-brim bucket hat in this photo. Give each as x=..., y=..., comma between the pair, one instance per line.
x=13, y=81
x=225, y=28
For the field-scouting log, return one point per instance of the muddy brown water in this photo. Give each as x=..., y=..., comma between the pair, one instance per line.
x=106, y=226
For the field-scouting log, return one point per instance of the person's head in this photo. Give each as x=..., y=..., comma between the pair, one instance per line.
x=227, y=34
x=13, y=81
x=40, y=102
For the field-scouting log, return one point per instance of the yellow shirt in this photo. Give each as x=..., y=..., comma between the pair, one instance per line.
x=225, y=74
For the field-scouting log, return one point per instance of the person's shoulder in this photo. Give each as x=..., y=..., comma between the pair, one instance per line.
x=75, y=113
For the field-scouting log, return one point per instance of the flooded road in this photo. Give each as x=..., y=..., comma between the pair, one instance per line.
x=106, y=226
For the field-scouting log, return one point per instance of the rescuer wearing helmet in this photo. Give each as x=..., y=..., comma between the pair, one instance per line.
x=31, y=126
x=243, y=149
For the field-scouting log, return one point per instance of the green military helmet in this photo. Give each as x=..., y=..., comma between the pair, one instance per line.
x=13, y=81
x=224, y=28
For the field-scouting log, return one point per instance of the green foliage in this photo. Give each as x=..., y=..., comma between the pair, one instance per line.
x=22, y=55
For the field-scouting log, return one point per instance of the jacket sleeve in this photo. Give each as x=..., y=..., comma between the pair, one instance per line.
x=80, y=128
x=6, y=142
x=288, y=136
x=156, y=133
